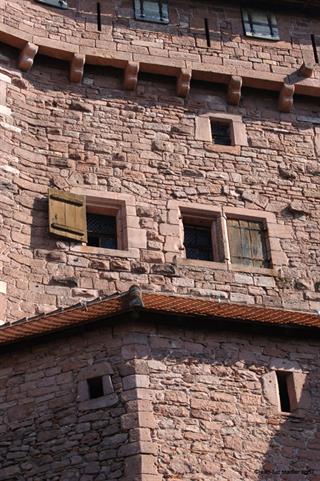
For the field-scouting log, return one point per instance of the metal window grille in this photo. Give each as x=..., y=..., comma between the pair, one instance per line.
x=260, y=24
x=248, y=243
x=55, y=3
x=221, y=133
x=198, y=242
x=102, y=231
x=151, y=10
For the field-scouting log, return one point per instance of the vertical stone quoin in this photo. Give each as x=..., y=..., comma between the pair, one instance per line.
x=139, y=421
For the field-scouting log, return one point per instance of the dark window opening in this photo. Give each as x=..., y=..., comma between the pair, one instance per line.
x=102, y=231
x=221, y=132
x=260, y=24
x=248, y=243
x=151, y=10
x=95, y=386
x=198, y=242
x=282, y=378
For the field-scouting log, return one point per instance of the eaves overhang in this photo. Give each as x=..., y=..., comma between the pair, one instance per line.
x=155, y=306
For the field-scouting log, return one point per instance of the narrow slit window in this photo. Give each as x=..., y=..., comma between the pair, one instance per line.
x=248, y=243
x=95, y=386
x=221, y=132
x=260, y=24
x=151, y=10
x=207, y=31
x=99, y=16
x=282, y=379
x=102, y=231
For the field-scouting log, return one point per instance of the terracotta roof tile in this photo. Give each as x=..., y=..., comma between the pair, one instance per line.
x=158, y=303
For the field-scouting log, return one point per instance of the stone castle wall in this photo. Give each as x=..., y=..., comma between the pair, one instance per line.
x=185, y=403
x=142, y=148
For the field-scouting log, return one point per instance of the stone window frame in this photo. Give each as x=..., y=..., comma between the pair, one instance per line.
x=221, y=213
x=4, y=81
x=109, y=398
x=130, y=236
x=271, y=21
x=299, y=398
x=151, y=18
x=238, y=132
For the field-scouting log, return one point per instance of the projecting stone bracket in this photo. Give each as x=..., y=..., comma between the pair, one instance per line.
x=77, y=67
x=27, y=56
x=234, y=90
x=306, y=69
x=131, y=73
x=286, y=98
x=183, y=82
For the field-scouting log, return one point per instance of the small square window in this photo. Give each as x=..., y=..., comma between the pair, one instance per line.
x=221, y=132
x=202, y=240
x=248, y=243
x=151, y=10
x=102, y=231
x=95, y=386
x=260, y=24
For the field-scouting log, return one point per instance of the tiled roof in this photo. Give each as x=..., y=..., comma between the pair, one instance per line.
x=148, y=302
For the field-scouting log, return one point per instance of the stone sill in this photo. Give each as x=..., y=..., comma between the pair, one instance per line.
x=224, y=149
x=222, y=266
x=132, y=253
x=254, y=270
x=225, y=266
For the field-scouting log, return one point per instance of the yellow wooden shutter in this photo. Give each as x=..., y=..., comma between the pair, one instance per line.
x=67, y=215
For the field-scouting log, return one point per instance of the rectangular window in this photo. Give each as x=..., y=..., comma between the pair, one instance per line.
x=55, y=3
x=198, y=242
x=221, y=132
x=202, y=238
x=102, y=230
x=283, y=379
x=151, y=10
x=260, y=24
x=248, y=243
x=95, y=386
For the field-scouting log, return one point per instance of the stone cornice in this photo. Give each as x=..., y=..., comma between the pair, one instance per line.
x=287, y=84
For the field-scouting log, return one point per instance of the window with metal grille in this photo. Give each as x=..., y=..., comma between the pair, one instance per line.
x=248, y=243
x=151, y=10
x=198, y=242
x=55, y=3
x=260, y=24
x=221, y=132
x=102, y=231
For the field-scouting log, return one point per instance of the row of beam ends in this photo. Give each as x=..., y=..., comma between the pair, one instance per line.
x=184, y=75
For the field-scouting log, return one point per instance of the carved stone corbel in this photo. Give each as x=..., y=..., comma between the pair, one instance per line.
x=234, y=90
x=306, y=69
x=76, y=67
x=183, y=82
x=286, y=98
x=27, y=55
x=131, y=76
